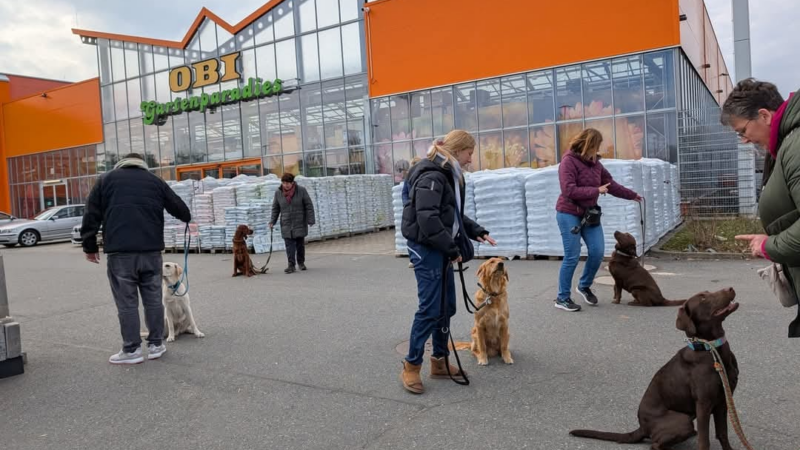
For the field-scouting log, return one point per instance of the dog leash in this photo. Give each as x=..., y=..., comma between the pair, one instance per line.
x=446, y=330
x=723, y=374
x=264, y=268
x=642, y=217
x=464, y=293
x=185, y=274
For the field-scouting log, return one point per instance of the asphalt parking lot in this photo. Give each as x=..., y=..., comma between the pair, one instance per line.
x=309, y=360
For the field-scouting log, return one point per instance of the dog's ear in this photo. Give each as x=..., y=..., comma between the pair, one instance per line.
x=505, y=272
x=684, y=322
x=178, y=270
x=481, y=271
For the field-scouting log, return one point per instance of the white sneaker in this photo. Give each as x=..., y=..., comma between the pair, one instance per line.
x=155, y=352
x=124, y=357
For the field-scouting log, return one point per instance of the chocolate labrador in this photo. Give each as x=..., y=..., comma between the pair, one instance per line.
x=629, y=275
x=688, y=386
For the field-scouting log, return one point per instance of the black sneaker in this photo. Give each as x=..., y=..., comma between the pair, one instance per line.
x=567, y=305
x=588, y=296
x=290, y=269
x=302, y=267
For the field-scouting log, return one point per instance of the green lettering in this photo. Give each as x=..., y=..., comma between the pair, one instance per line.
x=266, y=88
x=236, y=95
x=215, y=99
x=277, y=86
x=176, y=106
x=160, y=110
x=257, y=90
x=247, y=92
x=194, y=104
x=185, y=105
x=149, y=111
x=204, y=101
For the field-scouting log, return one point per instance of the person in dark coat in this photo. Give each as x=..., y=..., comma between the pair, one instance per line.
x=582, y=180
x=129, y=203
x=294, y=207
x=432, y=218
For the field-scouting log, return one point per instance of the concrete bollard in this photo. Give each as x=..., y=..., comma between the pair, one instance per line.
x=11, y=356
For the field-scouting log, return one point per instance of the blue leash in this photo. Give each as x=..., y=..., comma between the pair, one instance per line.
x=185, y=275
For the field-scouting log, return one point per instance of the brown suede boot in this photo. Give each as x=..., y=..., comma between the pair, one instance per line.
x=439, y=369
x=410, y=378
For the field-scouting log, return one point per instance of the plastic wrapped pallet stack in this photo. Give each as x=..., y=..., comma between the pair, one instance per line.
x=651, y=234
x=675, y=184
x=208, y=184
x=469, y=201
x=542, y=189
x=356, y=203
x=246, y=193
x=500, y=208
x=268, y=190
x=203, y=213
x=310, y=184
x=400, y=243
x=619, y=214
x=222, y=198
x=388, y=184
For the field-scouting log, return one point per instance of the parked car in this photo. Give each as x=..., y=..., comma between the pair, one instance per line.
x=53, y=224
x=5, y=218
x=78, y=240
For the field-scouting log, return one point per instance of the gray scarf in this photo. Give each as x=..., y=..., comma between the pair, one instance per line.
x=131, y=162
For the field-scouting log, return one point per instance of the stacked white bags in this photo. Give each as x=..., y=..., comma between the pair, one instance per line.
x=675, y=184
x=541, y=194
x=619, y=214
x=500, y=208
x=222, y=198
x=657, y=202
x=169, y=235
x=203, y=213
x=332, y=206
x=268, y=189
x=378, y=192
x=238, y=215
x=356, y=203
x=208, y=184
x=310, y=184
x=385, y=200
x=246, y=193
x=400, y=243
x=651, y=233
x=180, y=236
x=212, y=237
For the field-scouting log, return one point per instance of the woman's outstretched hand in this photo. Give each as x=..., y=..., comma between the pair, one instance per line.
x=487, y=240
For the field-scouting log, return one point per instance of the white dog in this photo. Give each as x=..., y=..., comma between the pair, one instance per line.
x=177, y=310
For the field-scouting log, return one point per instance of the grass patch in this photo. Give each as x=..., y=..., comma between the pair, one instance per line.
x=716, y=234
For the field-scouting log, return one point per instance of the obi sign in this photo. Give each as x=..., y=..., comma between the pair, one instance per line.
x=207, y=73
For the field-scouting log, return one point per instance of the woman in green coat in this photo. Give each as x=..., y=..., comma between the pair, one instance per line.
x=759, y=115
x=296, y=211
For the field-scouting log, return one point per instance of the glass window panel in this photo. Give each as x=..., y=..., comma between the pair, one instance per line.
x=208, y=38
x=284, y=20
x=152, y=154
x=214, y=132
x=515, y=106
x=382, y=157
x=226, y=43
x=197, y=137
x=334, y=114
x=192, y=53
x=246, y=38
x=180, y=125
x=120, y=101
x=110, y=137
x=327, y=13
x=264, y=29
x=160, y=58
x=567, y=131
x=287, y=60
x=351, y=43
x=134, y=98
x=314, y=164
x=104, y=60
x=491, y=152
x=308, y=15
x=248, y=65
x=265, y=61
x=146, y=64
x=309, y=68
x=291, y=131
x=568, y=93
x=131, y=60
x=466, y=107
x=107, y=93
x=442, y=104
x=358, y=162
x=117, y=61
x=166, y=144
x=628, y=85
x=251, y=133
x=271, y=124
x=421, y=147
x=311, y=101
x=137, y=136
x=401, y=120
x=176, y=58
x=232, y=127
x=540, y=97
x=330, y=54
x=402, y=160
x=597, y=98
x=100, y=159
x=662, y=136
x=148, y=88
x=54, y=158
x=123, y=138
x=515, y=148
x=421, y=114
x=162, y=87
x=292, y=163
x=39, y=165
x=356, y=98
x=659, y=80
x=46, y=162
x=336, y=162
x=273, y=165
x=606, y=128
x=381, y=119
x=349, y=10
x=488, y=101
x=543, y=146
x=630, y=137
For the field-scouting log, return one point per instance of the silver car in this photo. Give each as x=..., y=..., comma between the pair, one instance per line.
x=78, y=240
x=53, y=224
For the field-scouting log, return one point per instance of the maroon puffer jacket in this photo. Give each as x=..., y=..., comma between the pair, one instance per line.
x=579, y=182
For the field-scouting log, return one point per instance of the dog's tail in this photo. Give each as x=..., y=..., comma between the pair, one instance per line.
x=460, y=345
x=633, y=437
x=674, y=302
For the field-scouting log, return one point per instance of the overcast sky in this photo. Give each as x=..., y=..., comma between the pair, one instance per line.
x=35, y=36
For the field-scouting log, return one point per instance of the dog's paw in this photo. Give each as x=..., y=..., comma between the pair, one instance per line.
x=508, y=359
x=171, y=339
x=483, y=362
x=615, y=301
x=199, y=334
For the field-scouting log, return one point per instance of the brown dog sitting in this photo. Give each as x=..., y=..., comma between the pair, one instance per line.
x=242, y=264
x=490, y=331
x=688, y=386
x=629, y=275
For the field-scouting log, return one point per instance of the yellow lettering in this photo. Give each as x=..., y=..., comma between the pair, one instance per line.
x=206, y=72
x=231, y=71
x=180, y=79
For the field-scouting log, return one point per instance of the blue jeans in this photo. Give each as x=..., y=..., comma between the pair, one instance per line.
x=593, y=237
x=429, y=270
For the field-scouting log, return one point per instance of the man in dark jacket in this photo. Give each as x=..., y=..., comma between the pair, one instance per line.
x=294, y=207
x=129, y=203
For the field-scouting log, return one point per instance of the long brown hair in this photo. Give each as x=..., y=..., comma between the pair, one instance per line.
x=587, y=144
x=453, y=143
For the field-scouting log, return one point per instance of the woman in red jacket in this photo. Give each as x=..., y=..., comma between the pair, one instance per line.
x=582, y=180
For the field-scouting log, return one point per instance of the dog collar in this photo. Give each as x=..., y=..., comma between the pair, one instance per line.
x=489, y=295
x=699, y=345
x=620, y=252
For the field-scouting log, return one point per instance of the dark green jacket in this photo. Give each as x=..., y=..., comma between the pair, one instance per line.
x=779, y=206
x=295, y=217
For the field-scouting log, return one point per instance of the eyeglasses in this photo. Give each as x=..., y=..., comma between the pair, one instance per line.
x=744, y=130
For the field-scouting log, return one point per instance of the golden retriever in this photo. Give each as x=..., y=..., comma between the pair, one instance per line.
x=177, y=309
x=490, y=333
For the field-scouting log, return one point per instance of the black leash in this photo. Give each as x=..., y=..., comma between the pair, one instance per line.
x=264, y=268
x=446, y=329
x=642, y=212
x=464, y=293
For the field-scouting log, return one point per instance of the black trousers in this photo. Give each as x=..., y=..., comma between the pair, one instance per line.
x=296, y=246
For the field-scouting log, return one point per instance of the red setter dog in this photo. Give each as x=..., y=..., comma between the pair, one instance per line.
x=242, y=264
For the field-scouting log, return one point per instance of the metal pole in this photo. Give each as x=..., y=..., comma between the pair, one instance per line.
x=3, y=292
x=741, y=38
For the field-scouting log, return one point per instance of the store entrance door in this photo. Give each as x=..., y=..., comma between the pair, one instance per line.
x=55, y=194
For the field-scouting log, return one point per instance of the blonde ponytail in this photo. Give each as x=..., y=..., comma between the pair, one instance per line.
x=450, y=146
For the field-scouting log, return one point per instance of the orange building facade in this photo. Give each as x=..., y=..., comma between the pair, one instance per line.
x=361, y=87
